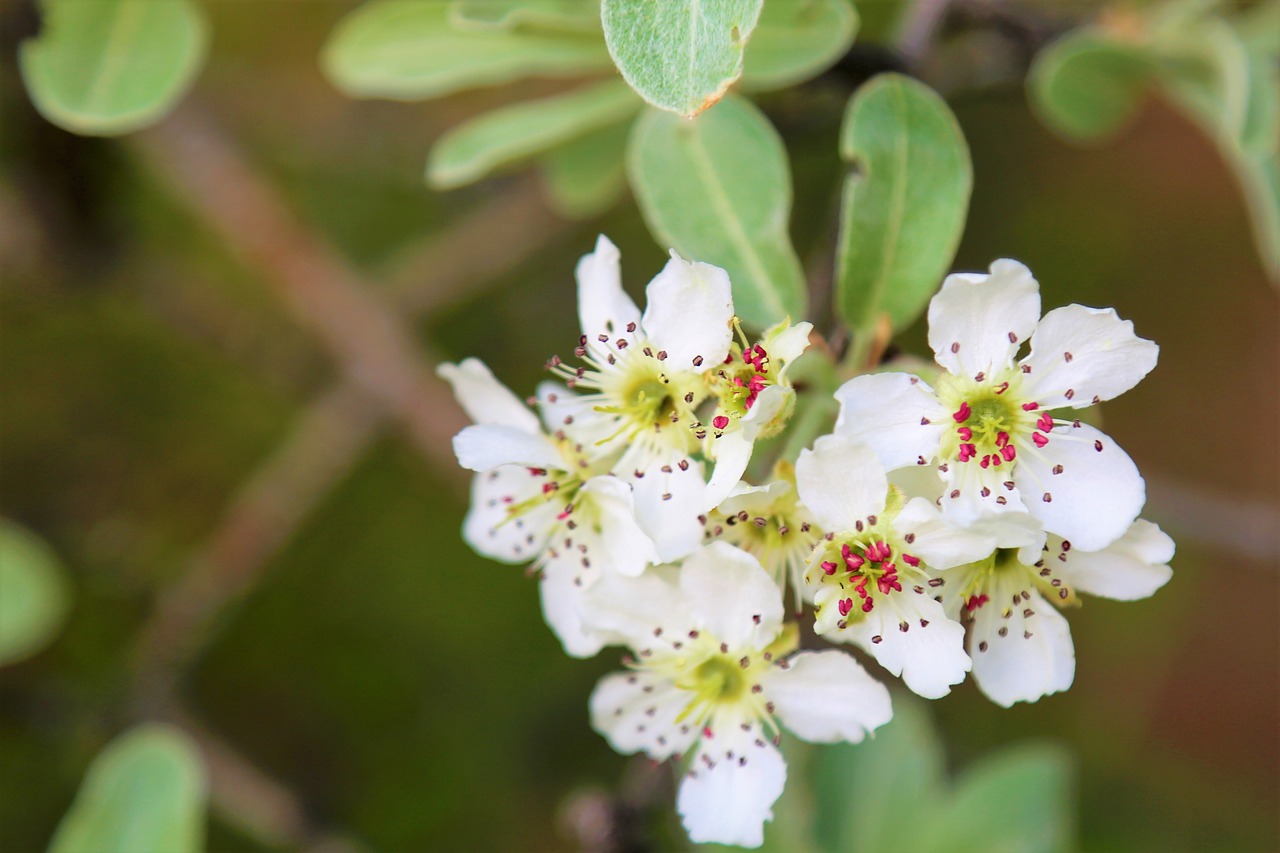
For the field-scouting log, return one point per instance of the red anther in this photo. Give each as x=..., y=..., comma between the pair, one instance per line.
x=538, y=472
x=867, y=605
x=829, y=567
x=1002, y=387
x=996, y=459
x=854, y=562
x=706, y=732
x=720, y=422
x=1030, y=407
x=889, y=581
x=965, y=434
x=846, y=604
x=986, y=460
x=845, y=550
x=1039, y=439
x=962, y=414
x=861, y=586
x=1009, y=452
x=757, y=383
x=547, y=488
x=911, y=560
x=1045, y=423
x=967, y=452
x=728, y=359
x=1002, y=438
x=975, y=602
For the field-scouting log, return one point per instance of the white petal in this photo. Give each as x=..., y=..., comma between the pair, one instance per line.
x=627, y=610
x=896, y=414
x=1096, y=497
x=733, y=454
x=563, y=584
x=482, y=447
x=841, y=482
x=622, y=546
x=731, y=596
x=1088, y=351
x=929, y=654
x=942, y=545
x=1034, y=657
x=786, y=343
x=668, y=506
x=688, y=314
x=729, y=802
x=484, y=398
x=826, y=697
x=489, y=530
x=1132, y=567
x=977, y=322
x=634, y=719
x=603, y=306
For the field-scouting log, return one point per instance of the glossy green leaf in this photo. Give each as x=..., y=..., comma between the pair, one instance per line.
x=408, y=50
x=1086, y=87
x=797, y=40
x=905, y=200
x=859, y=788
x=718, y=189
x=569, y=15
x=144, y=793
x=33, y=593
x=1019, y=801
x=105, y=67
x=472, y=150
x=587, y=175
x=680, y=55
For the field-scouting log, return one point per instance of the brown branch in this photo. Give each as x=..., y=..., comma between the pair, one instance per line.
x=374, y=348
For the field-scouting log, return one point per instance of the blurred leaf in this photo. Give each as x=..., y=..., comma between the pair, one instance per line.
x=144, y=793
x=717, y=189
x=1259, y=28
x=1204, y=67
x=585, y=176
x=569, y=15
x=407, y=50
x=1019, y=801
x=859, y=789
x=680, y=55
x=797, y=40
x=105, y=67
x=904, y=202
x=1085, y=86
x=1260, y=179
x=1261, y=131
x=472, y=150
x=33, y=593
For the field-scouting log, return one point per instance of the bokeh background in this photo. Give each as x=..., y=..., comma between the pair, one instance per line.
x=216, y=345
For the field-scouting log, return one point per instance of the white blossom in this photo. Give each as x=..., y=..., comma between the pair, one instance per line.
x=988, y=425
x=543, y=498
x=868, y=576
x=713, y=679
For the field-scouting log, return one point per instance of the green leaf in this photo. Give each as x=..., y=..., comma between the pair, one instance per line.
x=797, y=40
x=717, y=189
x=859, y=788
x=586, y=176
x=407, y=50
x=144, y=793
x=1086, y=86
x=33, y=594
x=904, y=202
x=680, y=55
x=1261, y=131
x=1019, y=801
x=1260, y=179
x=1204, y=68
x=568, y=15
x=105, y=67
x=472, y=150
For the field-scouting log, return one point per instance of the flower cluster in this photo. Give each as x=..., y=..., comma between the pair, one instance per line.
x=940, y=527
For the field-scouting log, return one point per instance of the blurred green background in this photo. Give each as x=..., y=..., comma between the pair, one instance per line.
x=177, y=406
